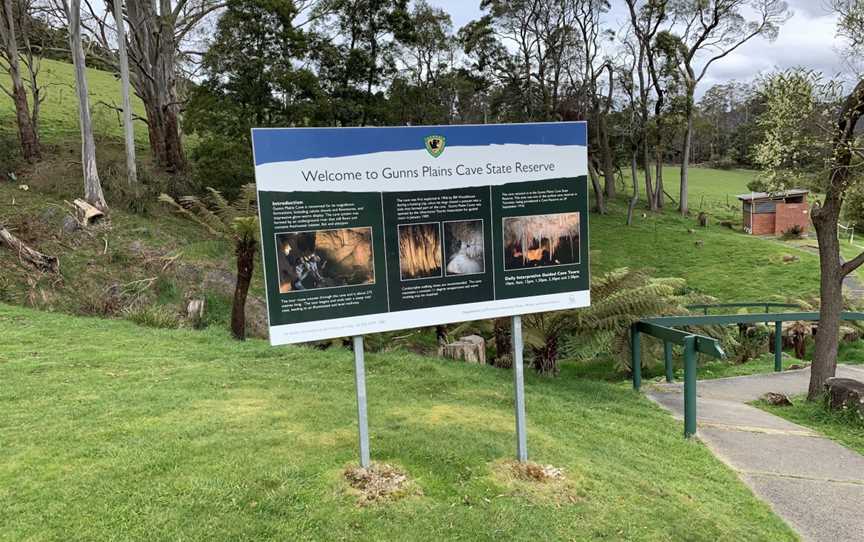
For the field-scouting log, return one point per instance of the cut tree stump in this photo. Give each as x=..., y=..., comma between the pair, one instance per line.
x=195, y=312
x=42, y=262
x=87, y=214
x=471, y=349
x=845, y=394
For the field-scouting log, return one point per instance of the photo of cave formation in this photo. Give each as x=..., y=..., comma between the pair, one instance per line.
x=541, y=240
x=325, y=259
x=420, y=251
x=464, y=247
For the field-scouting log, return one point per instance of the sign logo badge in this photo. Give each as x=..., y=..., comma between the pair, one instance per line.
x=435, y=145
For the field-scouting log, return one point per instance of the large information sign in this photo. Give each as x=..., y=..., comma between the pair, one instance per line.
x=376, y=229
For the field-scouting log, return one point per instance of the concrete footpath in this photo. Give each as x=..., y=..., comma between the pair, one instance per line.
x=814, y=484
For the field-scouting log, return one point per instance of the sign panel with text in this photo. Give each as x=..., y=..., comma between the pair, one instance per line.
x=366, y=230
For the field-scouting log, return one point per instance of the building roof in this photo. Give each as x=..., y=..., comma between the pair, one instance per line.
x=774, y=195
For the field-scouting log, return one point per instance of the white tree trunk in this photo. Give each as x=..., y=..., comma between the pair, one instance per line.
x=128, y=128
x=92, y=186
x=683, y=206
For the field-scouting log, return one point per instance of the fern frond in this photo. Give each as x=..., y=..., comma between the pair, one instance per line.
x=189, y=207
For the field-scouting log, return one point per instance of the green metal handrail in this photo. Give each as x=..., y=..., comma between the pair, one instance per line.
x=746, y=305
x=663, y=328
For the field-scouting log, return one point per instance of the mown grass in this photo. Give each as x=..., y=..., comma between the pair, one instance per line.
x=844, y=427
x=59, y=116
x=717, y=261
x=113, y=431
x=709, y=190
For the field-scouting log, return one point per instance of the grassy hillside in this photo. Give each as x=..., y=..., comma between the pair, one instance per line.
x=59, y=118
x=112, y=431
x=160, y=260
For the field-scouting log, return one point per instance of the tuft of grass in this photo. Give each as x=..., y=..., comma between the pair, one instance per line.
x=155, y=316
x=111, y=430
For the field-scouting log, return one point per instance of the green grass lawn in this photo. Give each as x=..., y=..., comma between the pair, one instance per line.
x=844, y=427
x=113, y=431
x=59, y=118
x=711, y=190
x=717, y=261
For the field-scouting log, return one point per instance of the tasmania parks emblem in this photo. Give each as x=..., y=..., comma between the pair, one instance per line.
x=435, y=145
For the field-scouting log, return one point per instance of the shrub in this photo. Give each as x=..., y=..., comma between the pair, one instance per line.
x=222, y=163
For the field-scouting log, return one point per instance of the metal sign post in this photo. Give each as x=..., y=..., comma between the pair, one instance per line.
x=360, y=382
x=519, y=385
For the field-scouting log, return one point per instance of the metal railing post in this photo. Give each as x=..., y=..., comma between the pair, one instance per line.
x=778, y=346
x=667, y=356
x=636, y=357
x=689, y=386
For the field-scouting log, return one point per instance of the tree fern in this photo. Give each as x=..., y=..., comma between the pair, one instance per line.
x=235, y=221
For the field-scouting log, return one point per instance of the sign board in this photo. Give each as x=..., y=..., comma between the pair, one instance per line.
x=367, y=230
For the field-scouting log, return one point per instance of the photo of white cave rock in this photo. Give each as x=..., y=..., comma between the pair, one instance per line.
x=420, y=251
x=541, y=240
x=464, y=247
x=325, y=259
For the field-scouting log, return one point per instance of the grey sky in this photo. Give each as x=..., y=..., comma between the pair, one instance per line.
x=807, y=39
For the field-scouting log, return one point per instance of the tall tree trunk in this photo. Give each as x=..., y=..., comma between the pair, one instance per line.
x=649, y=187
x=831, y=298
x=153, y=49
x=825, y=218
x=28, y=137
x=128, y=128
x=660, y=194
x=600, y=202
x=634, y=175
x=245, y=253
x=30, y=147
x=92, y=185
x=685, y=160
x=606, y=157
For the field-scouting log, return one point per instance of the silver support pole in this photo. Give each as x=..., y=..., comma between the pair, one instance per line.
x=519, y=384
x=360, y=382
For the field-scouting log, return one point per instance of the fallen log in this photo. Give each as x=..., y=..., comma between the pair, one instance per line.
x=42, y=262
x=87, y=214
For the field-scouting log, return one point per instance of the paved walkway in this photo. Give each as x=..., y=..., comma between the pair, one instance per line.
x=814, y=484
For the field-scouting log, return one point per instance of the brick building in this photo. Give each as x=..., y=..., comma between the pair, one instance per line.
x=774, y=214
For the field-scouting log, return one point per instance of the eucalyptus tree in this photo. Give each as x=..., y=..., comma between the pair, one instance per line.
x=645, y=21
x=811, y=121
x=846, y=163
x=513, y=23
x=590, y=36
x=157, y=44
x=706, y=32
x=17, y=54
x=71, y=10
x=125, y=93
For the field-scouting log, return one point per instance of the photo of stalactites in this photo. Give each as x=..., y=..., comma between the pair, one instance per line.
x=464, y=247
x=325, y=259
x=420, y=251
x=541, y=240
